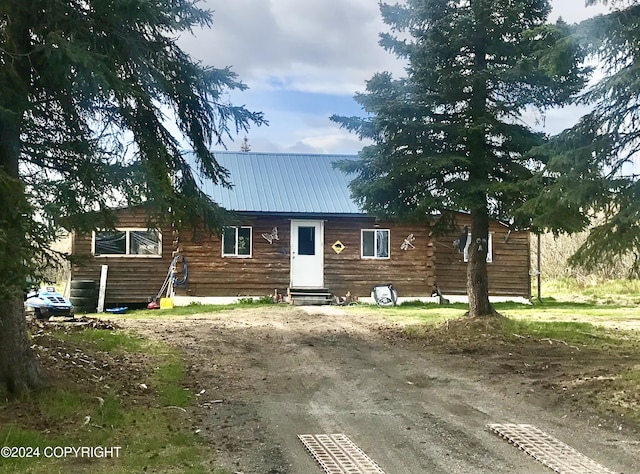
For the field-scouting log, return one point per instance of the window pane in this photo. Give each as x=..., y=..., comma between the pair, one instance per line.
x=382, y=243
x=306, y=240
x=144, y=242
x=244, y=241
x=111, y=243
x=368, y=244
x=229, y=241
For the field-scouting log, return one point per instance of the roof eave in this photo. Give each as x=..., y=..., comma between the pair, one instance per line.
x=298, y=215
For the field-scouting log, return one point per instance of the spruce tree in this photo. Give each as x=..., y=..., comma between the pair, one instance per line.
x=88, y=90
x=593, y=173
x=448, y=136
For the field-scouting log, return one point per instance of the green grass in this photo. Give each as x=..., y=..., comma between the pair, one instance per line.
x=416, y=312
x=152, y=434
x=576, y=333
x=594, y=291
x=550, y=310
x=107, y=341
x=194, y=308
x=60, y=404
x=167, y=379
x=584, y=324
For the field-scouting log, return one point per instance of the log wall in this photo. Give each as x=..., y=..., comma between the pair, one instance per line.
x=129, y=279
x=508, y=272
x=211, y=274
x=413, y=272
x=268, y=269
x=410, y=271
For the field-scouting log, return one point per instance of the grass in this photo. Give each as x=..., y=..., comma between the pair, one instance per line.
x=593, y=291
x=152, y=434
x=570, y=321
x=576, y=333
x=577, y=323
x=60, y=404
x=158, y=439
x=550, y=310
x=107, y=341
x=197, y=308
x=167, y=379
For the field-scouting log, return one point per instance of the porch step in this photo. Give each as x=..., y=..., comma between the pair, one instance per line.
x=309, y=296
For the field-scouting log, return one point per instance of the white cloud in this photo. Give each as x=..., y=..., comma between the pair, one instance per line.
x=310, y=45
x=573, y=11
x=326, y=49
x=327, y=140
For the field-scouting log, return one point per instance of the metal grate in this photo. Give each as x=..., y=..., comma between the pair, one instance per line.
x=551, y=452
x=337, y=454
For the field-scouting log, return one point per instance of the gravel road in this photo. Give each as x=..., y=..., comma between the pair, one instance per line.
x=265, y=376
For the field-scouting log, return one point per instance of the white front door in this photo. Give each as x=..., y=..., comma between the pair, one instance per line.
x=307, y=259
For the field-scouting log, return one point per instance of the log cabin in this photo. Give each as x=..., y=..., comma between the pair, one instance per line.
x=299, y=234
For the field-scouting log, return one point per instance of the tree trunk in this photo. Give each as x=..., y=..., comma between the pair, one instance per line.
x=477, y=276
x=19, y=370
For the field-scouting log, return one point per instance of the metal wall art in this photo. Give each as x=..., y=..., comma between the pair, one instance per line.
x=407, y=242
x=272, y=236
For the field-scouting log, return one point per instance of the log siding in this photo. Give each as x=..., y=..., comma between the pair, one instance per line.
x=413, y=271
x=131, y=279
x=508, y=270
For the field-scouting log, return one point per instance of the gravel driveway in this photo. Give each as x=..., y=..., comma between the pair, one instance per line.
x=266, y=375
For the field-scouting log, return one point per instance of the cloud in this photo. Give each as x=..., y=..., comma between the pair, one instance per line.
x=305, y=59
x=310, y=45
x=573, y=11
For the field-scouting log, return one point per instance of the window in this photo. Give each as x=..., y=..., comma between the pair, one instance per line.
x=236, y=242
x=489, y=249
x=127, y=242
x=306, y=240
x=375, y=243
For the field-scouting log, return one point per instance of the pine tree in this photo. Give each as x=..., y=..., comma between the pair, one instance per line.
x=84, y=89
x=593, y=173
x=448, y=136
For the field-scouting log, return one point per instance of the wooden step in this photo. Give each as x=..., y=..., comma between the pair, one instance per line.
x=309, y=296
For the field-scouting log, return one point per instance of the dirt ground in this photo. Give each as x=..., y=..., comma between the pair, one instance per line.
x=414, y=405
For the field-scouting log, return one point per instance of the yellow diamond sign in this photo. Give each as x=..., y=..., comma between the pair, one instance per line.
x=338, y=246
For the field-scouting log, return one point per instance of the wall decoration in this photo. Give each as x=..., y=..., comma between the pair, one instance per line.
x=407, y=242
x=272, y=236
x=461, y=242
x=338, y=246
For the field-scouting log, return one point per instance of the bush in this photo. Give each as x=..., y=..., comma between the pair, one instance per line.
x=556, y=251
x=267, y=299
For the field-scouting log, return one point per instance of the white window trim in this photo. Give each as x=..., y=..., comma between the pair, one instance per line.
x=489, y=248
x=127, y=231
x=236, y=254
x=375, y=243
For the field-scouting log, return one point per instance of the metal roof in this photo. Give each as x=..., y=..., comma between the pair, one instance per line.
x=282, y=183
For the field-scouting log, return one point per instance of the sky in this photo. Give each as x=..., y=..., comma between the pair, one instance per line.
x=304, y=60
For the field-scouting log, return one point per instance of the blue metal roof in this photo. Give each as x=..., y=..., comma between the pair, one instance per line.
x=283, y=183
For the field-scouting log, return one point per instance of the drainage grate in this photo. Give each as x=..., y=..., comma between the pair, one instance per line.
x=337, y=454
x=551, y=452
